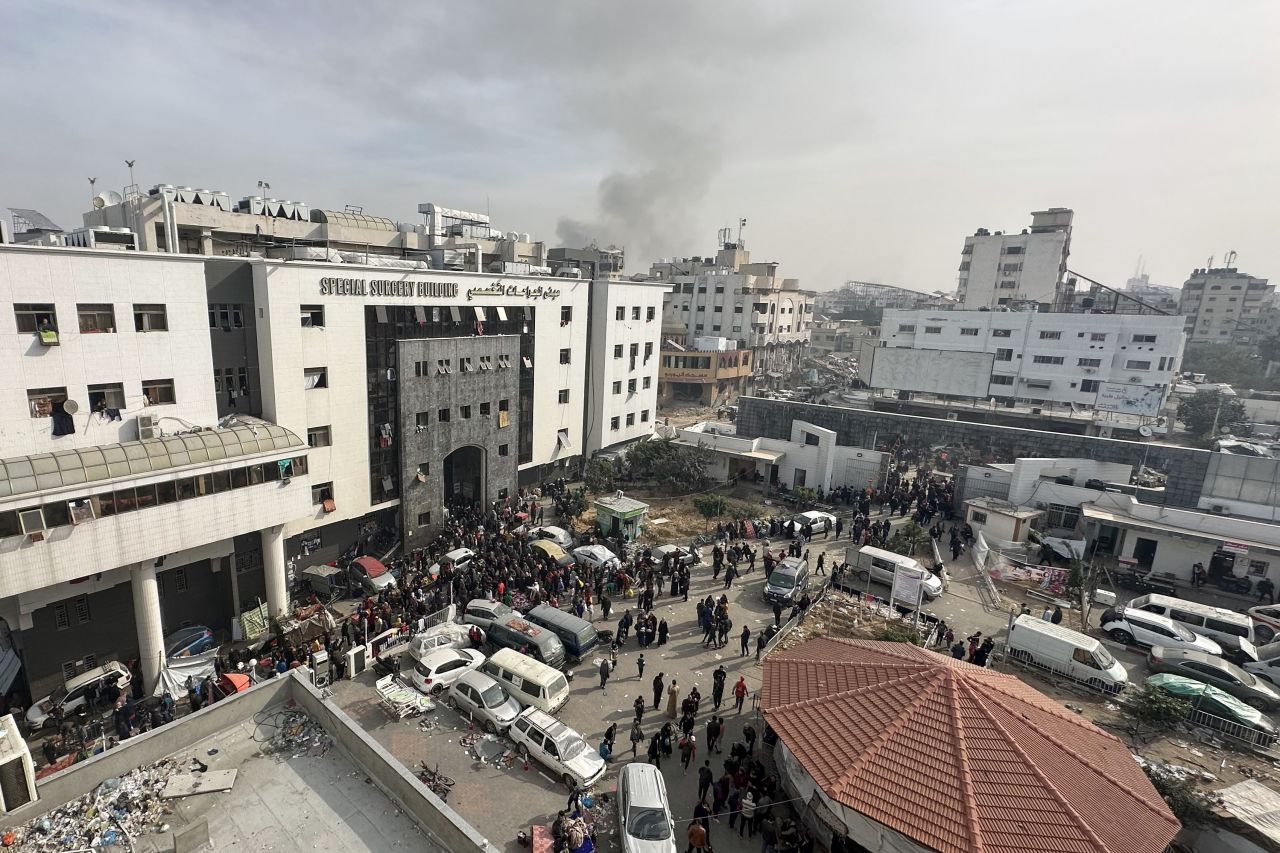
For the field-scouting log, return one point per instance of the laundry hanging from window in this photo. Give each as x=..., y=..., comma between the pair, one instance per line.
x=384, y=436
x=63, y=423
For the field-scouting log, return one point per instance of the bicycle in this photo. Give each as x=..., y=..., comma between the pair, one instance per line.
x=439, y=783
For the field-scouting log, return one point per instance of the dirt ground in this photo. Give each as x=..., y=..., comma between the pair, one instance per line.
x=684, y=414
x=1191, y=751
x=677, y=520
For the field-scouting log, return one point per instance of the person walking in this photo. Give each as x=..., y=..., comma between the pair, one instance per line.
x=688, y=751
x=740, y=693
x=718, y=679
x=705, y=777
x=745, y=641
x=658, y=687
x=697, y=838
x=637, y=736
x=605, y=669
x=640, y=666
x=715, y=731
x=748, y=807
x=673, y=698
x=761, y=642
x=655, y=752
x=749, y=735
x=638, y=705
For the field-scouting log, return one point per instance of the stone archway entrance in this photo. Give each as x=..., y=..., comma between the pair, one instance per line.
x=464, y=476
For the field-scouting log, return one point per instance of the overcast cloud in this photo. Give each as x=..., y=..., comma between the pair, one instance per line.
x=860, y=140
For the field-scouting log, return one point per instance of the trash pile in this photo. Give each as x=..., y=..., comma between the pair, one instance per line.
x=296, y=735
x=115, y=813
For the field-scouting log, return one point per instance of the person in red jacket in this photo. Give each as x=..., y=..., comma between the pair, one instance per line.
x=740, y=692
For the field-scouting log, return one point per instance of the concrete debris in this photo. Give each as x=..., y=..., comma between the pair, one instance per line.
x=119, y=810
x=297, y=734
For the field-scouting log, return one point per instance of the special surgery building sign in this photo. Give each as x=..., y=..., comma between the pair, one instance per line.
x=384, y=287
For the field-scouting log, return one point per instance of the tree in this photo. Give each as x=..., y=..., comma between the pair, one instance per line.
x=599, y=476
x=710, y=506
x=1075, y=579
x=575, y=503
x=804, y=497
x=906, y=538
x=1200, y=412
x=1155, y=707
x=677, y=467
x=1235, y=365
x=898, y=632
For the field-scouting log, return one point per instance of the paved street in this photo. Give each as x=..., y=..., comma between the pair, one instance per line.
x=501, y=802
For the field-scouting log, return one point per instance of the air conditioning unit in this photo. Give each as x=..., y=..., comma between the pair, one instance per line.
x=1135, y=378
x=953, y=416
x=1090, y=370
x=148, y=426
x=1218, y=509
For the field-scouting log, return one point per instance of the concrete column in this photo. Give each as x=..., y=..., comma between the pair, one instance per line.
x=273, y=571
x=206, y=241
x=146, y=616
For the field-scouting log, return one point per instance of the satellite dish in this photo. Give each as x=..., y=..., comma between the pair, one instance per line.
x=99, y=202
x=70, y=406
x=1145, y=431
x=110, y=198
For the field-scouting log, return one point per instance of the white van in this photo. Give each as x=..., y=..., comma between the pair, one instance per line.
x=70, y=698
x=530, y=682
x=880, y=565
x=1065, y=652
x=1234, y=631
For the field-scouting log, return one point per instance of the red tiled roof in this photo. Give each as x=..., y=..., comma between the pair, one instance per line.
x=957, y=757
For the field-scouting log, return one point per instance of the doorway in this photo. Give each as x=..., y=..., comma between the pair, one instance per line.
x=1144, y=551
x=464, y=476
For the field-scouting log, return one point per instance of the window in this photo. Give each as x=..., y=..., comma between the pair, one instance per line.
x=969, y=332
x=318, y=436
x=62, y=621
x=1258, y=567
x=486, y=409
x=1004, y=355
x=648, y=351
x=150, y=318
x=613, y=423
x=617, y=387
x=1063, y=516
x=33, y=318
x=1144, y=339
x=465, y=365
x=978, y=517
x=313, y=316
x=465, y=411
x=315, y=377
x=1001, y=333
x=81, y=606
x=321, y=492
x=443, y=416
x=158, y=392
x=631, y=386
x=1097, y=336
x=649, y=313
x=42, y=400
x=564, y=356
x=906, y=327
x=563, y=396
x=180, y=579
x=444, y=365
x=1051, y=336
x=933, y=330
x=620, y=313
x=635, y=350
x=566, y=314
x=631, y=419
x=1089, y=386
x=1137, y=365
x=1047, y=359
x=617, y=350
x=504, y=450
x=1000, y=379
x=648, y=382
x=1013, y=250
x=635, y=312
x=108, y=395
x=1088, y=362
x=96, y=318
x=424, y=518
x=421, y=420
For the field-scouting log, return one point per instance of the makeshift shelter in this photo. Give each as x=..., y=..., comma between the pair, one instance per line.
x=899, y=748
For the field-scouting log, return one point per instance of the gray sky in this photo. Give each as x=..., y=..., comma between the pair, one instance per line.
x=859, y=139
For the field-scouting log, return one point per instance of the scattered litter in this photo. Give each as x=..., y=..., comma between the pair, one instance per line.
x=298, y=734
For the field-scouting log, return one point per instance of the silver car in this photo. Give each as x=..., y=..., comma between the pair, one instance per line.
x=1213, y=670
x=478, y=696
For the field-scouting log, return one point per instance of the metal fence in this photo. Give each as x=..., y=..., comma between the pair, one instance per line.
x=1233, y=731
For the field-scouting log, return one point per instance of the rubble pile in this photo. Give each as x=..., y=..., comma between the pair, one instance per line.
x=114, y=814
x=296, y=734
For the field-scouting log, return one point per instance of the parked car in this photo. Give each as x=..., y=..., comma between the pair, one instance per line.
x=448, y=635
x=545, y=548
x=820, y=520
x=1266, y=622
x=435, y=671
x=483, y=612
x=192, y=640
x=880, y=566
x=558, y=535
x=460, y=557
x=1065, y=652
x=1128, y=626
x=483, y=699
x=787, y=583
x=596, y=556
x=644, y=815
x=69, y=698
x=1268, y=668
x=370, y=575
x=1212, y=669
x=1224, y=710
x=557, y=747
x=684, y=556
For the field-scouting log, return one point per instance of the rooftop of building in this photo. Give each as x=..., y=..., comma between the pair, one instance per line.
x=286, y=771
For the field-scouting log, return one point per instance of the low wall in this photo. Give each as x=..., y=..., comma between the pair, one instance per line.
x=64, y=786
x=429, y=811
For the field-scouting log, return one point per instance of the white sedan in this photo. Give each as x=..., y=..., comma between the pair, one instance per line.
x=439, y=668
x=558, y=535
x=596, y=556
x=820, y=520
x=448, y=635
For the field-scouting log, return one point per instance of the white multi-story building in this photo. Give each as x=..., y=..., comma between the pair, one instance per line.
x=729, y=296
x=1034, y=357
x=330, y=398
x=1226, y=306
x=1007, y=269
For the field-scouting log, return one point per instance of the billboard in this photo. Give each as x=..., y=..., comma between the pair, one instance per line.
x=1130, y=399
x=931, y=371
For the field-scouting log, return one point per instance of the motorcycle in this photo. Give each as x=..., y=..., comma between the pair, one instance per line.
x=1231, y=583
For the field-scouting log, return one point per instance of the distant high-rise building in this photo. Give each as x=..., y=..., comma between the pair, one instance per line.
x=1225, y=306
x=1007, y=269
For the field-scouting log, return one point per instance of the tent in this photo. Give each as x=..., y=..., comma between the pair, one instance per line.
x=174, y=675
